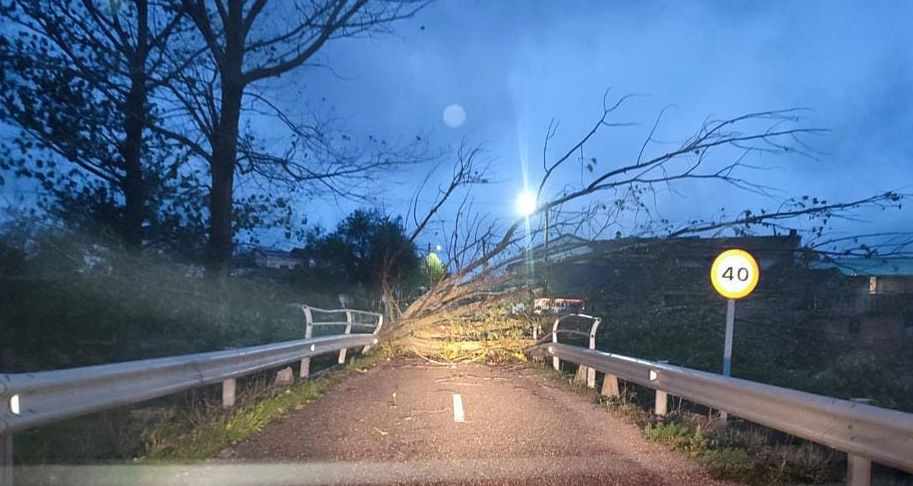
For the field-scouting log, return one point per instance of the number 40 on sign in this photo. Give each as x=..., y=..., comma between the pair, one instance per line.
x=734, y=274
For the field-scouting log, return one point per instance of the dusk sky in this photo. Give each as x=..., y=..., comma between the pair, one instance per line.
x=506, y=68
x=514, y=66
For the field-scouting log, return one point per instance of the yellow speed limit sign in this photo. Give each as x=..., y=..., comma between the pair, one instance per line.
x=734, y=273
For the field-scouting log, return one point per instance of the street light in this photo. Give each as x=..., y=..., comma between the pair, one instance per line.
x=526, y=203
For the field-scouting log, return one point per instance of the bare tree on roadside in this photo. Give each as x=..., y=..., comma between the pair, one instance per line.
x=249, y=43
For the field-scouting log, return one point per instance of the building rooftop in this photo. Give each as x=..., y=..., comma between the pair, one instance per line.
x=275, y=253
x=566, y=246
x=876, y=266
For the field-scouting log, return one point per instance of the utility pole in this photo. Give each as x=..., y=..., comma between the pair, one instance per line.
x=545, y=258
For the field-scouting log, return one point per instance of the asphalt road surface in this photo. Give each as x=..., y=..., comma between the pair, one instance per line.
x=413, y=422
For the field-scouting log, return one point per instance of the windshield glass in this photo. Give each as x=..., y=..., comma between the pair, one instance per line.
x=454, y=242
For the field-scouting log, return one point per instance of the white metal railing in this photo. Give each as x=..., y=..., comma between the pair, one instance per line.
x=596, y=321
x=866, y=433
x=353, y=319
x=34, y=399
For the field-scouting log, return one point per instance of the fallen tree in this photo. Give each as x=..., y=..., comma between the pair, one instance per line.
x=487, y=255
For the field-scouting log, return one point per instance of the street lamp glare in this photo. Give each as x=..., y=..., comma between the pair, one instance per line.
x=526, y=203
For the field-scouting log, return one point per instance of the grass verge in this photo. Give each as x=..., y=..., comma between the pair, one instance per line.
x=190, y=427
x=176, y=442
x=740, y=451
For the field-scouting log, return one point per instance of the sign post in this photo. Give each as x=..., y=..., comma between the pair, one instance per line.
x=734, y=274
x=727, y=342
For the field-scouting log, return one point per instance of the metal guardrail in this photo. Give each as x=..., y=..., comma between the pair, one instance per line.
x=349, y=323
x=33, y=399
x=556, y=362
x=865, y=432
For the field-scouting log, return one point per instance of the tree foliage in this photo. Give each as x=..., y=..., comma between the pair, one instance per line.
x=78, y=82
x=138, y=118
x=364, y=249
x=433, y=267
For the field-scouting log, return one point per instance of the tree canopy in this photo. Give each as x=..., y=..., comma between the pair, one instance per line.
x=365, y=248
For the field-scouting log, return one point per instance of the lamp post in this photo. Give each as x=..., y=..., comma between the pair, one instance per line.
x=526, y=205
x=545, y=257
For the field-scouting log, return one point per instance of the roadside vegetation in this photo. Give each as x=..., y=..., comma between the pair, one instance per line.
x=70, y=300
x=776, y=346
x=190, y=426
x=201, y=435
x=740, y=451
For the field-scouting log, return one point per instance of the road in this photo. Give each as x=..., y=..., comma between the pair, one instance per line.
x=400, y=423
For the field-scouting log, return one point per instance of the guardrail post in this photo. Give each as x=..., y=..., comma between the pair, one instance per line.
x=308, y=333
x=6, y=460
x=556, y=363
x=284, y=377
x=661, y=407
x=228, y=393
x=580, y=376
x=342, y=352
x=662, y=403
x=858, y=470
x=610, y=386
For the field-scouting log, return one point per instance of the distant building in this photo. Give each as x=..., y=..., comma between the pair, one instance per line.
x=875, y=276
x=880, y=303
x=691, y=252
x=561, y=248
x=576, y=265
x=276, y=259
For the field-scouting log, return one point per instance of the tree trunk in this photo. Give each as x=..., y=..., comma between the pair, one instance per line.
x=132, y=145
x=220, y=207
x=225, y=146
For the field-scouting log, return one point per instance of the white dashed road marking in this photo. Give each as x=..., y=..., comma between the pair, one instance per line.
x=458, y=415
